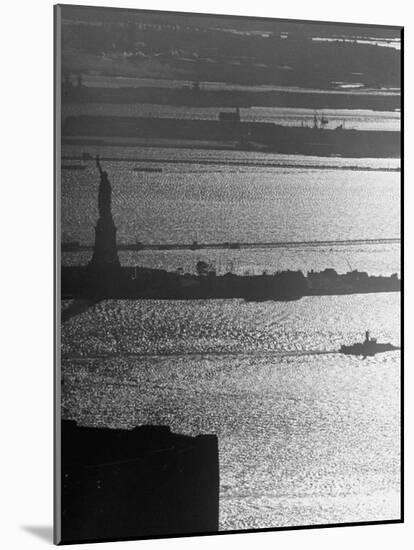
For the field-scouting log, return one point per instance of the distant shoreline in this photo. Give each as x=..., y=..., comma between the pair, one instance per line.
x=182, y=144
x=245, y=136
x=376, y=100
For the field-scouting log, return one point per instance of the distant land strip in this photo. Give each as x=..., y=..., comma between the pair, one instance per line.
x=75, y=246
x=263, y=164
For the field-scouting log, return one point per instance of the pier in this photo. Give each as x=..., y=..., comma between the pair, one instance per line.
x=239, y=163
x=74, y=246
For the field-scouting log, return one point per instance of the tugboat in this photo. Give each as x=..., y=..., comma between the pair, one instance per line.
x=369, y=347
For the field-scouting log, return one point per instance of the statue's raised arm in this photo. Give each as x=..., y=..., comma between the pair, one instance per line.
x=98, y=164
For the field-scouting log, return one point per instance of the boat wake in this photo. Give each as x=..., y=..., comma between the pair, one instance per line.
x=195, y=354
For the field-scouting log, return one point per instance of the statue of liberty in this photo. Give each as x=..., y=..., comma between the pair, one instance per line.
x=104, y=193
x=105, y=254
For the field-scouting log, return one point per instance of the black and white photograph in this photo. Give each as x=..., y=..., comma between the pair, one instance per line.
x=228, y=255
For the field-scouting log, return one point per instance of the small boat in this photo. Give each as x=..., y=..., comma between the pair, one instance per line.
x=368, y=348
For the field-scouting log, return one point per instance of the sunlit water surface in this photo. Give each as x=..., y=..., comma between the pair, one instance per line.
x=306, y=436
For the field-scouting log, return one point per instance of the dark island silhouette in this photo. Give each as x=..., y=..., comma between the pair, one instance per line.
x=104, y=277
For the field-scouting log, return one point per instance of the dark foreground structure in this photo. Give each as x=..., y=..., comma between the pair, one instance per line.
x=137, y=483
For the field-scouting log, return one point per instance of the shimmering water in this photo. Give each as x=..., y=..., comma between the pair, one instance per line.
x=240, y=202
x=253, y=205
x=306, y=436
x=376, y=259
x=220, y=204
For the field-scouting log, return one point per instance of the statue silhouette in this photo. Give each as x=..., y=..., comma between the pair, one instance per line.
x=104, y=193
x=105, y=254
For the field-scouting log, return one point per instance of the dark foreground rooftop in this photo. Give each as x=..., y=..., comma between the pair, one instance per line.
x=145, y=482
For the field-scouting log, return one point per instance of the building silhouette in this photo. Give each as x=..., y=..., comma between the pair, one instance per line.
x=232, y=116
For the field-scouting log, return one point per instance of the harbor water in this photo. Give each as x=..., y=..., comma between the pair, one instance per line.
x=239, y=197
x=306, y=435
